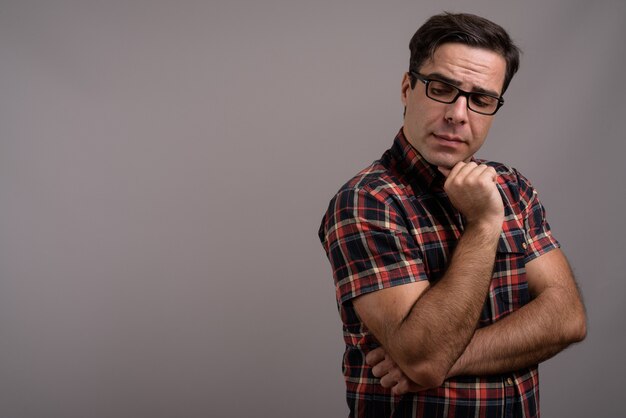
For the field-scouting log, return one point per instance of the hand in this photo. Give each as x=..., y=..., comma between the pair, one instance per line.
x=472, y=190
x=391, y=377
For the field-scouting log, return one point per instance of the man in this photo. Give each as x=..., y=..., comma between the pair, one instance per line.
x=450, y=285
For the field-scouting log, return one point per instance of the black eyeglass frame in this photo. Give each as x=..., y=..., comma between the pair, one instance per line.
x=466, y=94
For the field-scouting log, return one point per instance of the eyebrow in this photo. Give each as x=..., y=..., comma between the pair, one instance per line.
x=457, y=83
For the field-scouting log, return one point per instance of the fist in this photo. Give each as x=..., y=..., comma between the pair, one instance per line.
x=472, y=189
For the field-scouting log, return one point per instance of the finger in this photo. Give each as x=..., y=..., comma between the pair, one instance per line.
x=466, y=170
x=401, y=387
x=382, y=368
x=492, y=173
x=444, y=171
x=476, y=172
x=455, y=170
x=390, y=379
x=375, y=356
x=458, y=174
x=486, y=176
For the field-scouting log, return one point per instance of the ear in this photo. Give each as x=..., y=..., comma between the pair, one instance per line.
x=406, y=86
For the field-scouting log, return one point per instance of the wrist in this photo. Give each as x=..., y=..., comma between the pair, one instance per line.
x=490, y=228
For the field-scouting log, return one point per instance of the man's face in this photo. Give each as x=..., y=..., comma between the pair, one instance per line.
x=445, y=134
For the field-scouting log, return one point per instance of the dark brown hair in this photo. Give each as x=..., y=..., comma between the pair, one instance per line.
x=466, y=29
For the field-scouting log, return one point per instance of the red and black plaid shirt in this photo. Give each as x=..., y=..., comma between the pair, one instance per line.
x=393, y=224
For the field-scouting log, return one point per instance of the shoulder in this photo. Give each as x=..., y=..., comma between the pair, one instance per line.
x=375, y=193
x=376, y=182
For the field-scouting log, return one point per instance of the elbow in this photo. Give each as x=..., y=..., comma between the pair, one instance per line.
x=580, y=329
x=577, y=328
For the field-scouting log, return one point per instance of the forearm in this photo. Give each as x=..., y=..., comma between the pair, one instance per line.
x=554, y=319
x=442, y=321
x=526, y=337
x=513, y=343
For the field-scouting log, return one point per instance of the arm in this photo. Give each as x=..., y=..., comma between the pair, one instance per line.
x=553, y=320
x=425, y=329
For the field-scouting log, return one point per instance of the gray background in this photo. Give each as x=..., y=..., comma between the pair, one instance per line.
x=164, y=167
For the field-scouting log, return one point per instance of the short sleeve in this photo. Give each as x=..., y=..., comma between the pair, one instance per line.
x=540, y=239
x=368, y=244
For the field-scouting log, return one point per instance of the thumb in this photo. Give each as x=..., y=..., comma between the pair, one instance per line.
x=444, y=171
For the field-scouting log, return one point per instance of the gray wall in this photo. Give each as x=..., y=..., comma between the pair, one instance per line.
x=164, y=167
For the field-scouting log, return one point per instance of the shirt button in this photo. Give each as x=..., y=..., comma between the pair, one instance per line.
x=509, y=381
x=524, y=245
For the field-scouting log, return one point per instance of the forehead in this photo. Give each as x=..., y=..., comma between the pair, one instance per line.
x=468, y=66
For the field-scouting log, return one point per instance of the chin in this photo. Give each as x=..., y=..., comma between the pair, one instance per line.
x=443, y=161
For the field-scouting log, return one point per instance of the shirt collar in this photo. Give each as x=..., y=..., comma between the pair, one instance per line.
x=420, y=172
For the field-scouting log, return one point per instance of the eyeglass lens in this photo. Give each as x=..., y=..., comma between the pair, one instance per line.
x=447, y=93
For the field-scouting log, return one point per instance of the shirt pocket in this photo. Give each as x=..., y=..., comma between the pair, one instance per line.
x=509, y=288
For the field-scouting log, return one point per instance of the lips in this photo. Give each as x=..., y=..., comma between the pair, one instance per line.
x=449, y=139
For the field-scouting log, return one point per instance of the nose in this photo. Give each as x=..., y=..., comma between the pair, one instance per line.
x=456, y=112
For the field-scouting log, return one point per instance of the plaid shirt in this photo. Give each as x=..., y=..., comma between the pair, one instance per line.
x=393, y=224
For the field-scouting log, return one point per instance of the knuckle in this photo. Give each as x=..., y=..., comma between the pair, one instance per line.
x=486, y=181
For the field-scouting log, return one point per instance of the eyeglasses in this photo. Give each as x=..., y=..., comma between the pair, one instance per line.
x=440, y=91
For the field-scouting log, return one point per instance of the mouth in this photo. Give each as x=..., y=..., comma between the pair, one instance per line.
x=451, y=140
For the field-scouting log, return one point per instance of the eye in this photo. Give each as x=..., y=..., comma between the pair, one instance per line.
x=482, y=100
x=438, y=88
